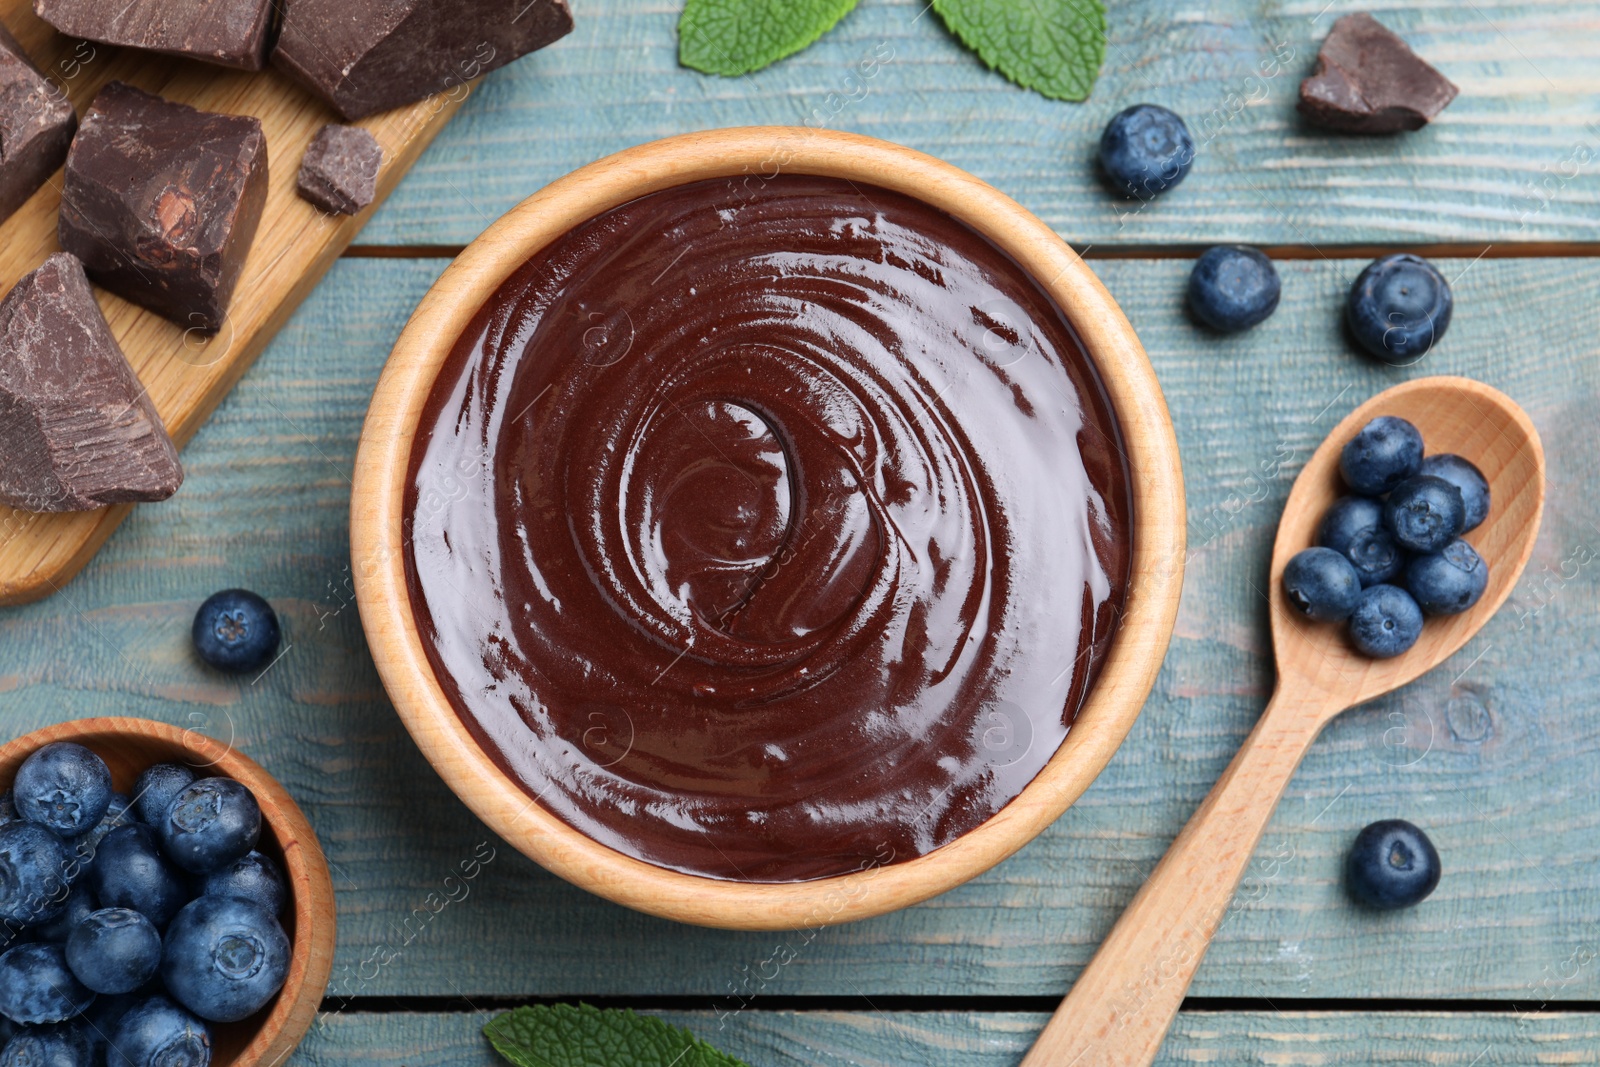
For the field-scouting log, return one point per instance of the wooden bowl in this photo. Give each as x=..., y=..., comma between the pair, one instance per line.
x=129, y=746
x=377, y=512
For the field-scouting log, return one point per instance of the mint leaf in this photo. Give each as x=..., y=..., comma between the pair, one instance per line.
x=732, y=37
x=1052, y=46
x=584, y=1036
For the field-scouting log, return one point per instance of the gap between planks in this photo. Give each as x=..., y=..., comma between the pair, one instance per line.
x=954, y=1004
x=1457, y=250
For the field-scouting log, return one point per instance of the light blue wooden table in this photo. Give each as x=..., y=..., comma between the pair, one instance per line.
x=1497, y=753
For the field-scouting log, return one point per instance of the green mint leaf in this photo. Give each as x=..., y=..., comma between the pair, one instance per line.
x=583, y=1036
x=1052, y=46
x=732, y=37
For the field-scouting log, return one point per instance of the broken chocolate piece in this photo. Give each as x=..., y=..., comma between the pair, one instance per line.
x=36, y=124
x=340, y=170
x=162, y=202
x=77, y=430
x=363, y=56
x=1367, y=80
x=230, y=33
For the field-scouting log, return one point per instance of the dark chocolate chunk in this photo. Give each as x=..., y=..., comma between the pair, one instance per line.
x=230, y=33
x=1367, y=80
x=363, y=56
x=36, y=124
x=340, y=170
x=162, y=202
x=77, y=430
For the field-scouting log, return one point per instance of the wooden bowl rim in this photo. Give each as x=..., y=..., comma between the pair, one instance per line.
x=377, y=514
x=305, y=866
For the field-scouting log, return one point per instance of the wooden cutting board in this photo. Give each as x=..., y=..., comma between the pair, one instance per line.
x=188, y=374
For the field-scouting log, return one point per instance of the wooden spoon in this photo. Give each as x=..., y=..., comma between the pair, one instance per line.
x=1122, y=1005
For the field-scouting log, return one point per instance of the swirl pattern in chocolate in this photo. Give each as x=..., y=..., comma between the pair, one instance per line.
x=769, y=535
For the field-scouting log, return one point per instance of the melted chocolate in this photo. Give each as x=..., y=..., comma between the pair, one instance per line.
x=769, y=534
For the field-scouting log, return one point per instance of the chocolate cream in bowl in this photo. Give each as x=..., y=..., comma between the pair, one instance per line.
x=769, y=533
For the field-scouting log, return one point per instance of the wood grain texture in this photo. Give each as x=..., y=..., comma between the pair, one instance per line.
x=186, y=372
x=961, y=1039
x=1495, y=754
x=1120, y=1007
x=1515, y=158
x=129, y=746
x=379, y=521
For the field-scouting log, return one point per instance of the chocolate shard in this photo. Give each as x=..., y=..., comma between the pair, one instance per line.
x=230, y=33
x=36, y=124
x=363, y=56
x=339, y=172
x=162, y=202
x=1367, y=80
x=77, y=430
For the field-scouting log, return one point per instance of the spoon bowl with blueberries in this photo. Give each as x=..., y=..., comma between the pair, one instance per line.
x=1431, y=493
x=1402, y=536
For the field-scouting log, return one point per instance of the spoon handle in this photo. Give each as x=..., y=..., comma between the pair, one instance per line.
x=1121, y=1006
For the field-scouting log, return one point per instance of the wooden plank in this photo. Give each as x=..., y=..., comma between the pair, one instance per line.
x=1496, y=754
x=187, y=372
x=962, y=1039
x=1514, y=159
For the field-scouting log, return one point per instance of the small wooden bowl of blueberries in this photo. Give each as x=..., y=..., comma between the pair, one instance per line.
x=163, y=902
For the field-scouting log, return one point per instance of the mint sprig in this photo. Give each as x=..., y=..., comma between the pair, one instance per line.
x=732, y=37
x=1054, y=47
x=583, y=1036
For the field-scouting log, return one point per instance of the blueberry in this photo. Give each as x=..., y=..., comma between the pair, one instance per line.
x=131, y=872
x=35, y=874
x=11, y=935
x=158, y=1033
x=37, y=987
x=49, y=1046
x=1466, y=477
x=236, y=631
x=65, y=787
x=1321, y=584
x=104, y=1016
x=1146, y=150
x=210, y=824
x=1386, y=622
x=1448, y=582
x=1386, y=452
x=8, y=810
x=1353, y=527
x=114, y=950
x=1399, y=308
x=80, y=902
x=1425, y=513
x=1233, y=288
x=252, y=877
x=1391, y=865
x=225, y=958
x=155, y=790
x=119, y=813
